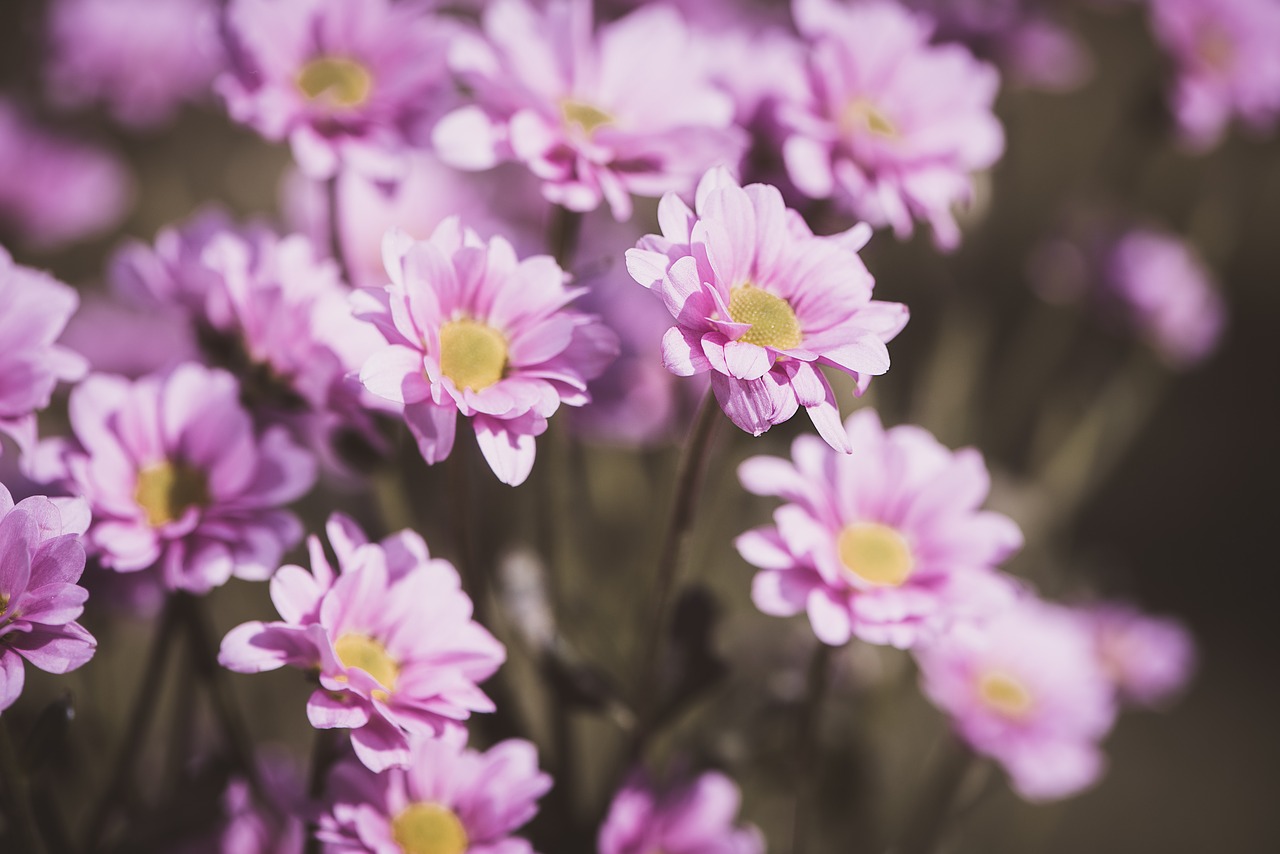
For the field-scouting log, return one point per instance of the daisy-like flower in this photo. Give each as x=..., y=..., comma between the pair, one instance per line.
x=597, y=115
x=695, y=817
x=761, y=303
x=41, y=559
x=471, y=329
x=177, y=477
x=344, y=82
x=36, y=308
x=893, y=124
x=1028, y=690
x=887, y=544
x=1150, y=659
x=390, y=639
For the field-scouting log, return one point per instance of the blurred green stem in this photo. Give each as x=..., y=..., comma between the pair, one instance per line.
x=335, y=229
x=928, y=820
x=324, y=752
x=563, y=230
x=20, y=810
x=807, y=737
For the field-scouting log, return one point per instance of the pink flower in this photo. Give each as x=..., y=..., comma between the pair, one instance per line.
x=391, y=640
x=1150, y=659
x=761, y=303
x=41, y=559
x=471, y=329
x=894, y=124
x=887, y=544
x=177, y=477
x=695, y=817
x=1028, y=691
x=597, y=115
x=36, y=308
x=448, y=800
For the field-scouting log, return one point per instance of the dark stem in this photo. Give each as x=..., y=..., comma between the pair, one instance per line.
x=563, y=231
x=335, y=230
x=324, y=751
x=933, y=808
x=807, y=737
x=20, y=810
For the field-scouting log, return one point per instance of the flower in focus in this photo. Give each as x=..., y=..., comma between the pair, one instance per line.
x=177, y=477
x=893, y=124
x=597, y=115
x=761, y=303
x=141, y=58
x=887, y=544
x=1029, y=691
x=390, y=638
x=41, y=559
x=471, y=329
x=695, y=817
x=1150, y=659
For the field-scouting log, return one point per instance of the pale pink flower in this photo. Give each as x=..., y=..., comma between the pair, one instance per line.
x=1150, y=659
x=696, y=816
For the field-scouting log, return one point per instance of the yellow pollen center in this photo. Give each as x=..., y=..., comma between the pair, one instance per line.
x=472, y=354
x=773, y=322
x=166, y=490
x=429, y=829
x=875, y=553
x=336, y=81
x=860, y=114
x=585, y=116
x=365, y=653
x=1004, y=694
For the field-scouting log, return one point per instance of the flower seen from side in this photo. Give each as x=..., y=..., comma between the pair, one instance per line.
x=1150, y=659
x=696, y=816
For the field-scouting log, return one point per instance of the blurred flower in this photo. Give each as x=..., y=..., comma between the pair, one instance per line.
x=128, y=339
x=141, y=58
x=695, y=817
x=886, y=544
x=41, y=559
x=893, y=124
x=595, y=115
x=448, y=800
x=177, y=477
x=391, y=640
x=34, y=309
x=1028, y=690
x=247, y=826
x=760, y=302
x=1151, y=659
x=471, y=329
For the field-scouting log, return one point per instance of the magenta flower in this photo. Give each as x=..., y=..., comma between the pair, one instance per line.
x=471, y=329
x=448, y=800
x=695, y=817
x=36, y=308
x=390, y=639
x=41, y=559
x=887, y=544
x=893, y=124
x=761, y=303
x=177, y=477
x=597, y=115
x=345, y=83
x=1028, y=690
x=1150, y=659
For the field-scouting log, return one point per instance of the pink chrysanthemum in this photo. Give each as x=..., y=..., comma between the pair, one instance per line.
x=893, y=125
x=886, y=544
x=471, y=329
x=391, y=640
x=695, y=817
x=1150, y=659
x=595, y=114
x=761, y=303
x=41, y=559
x=1028, y=690
x=177, y=477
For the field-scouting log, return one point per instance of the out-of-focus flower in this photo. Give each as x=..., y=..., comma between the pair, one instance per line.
x=695, y=817
x=1226, y=63
x=116, y=337
x=344, y=82
x=448, y=800
x=54, y=190
x=760, y=303
x=893, y=125
x=177, y=477
x=886, y=544
x=390, y=638
x=471, y=329
x=1028, y=690
x=141, y=58
x=1151, y=659
x=597, y=115
x=247, y=825
x=34, y=309
x=41, y=559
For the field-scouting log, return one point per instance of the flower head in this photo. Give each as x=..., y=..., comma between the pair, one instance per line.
x=695, y=817
x=1150, y=659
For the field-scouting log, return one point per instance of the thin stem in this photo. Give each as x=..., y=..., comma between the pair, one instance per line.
x=807, y=737
x=335, y=230
x=932, y=813
x=563, y=231
x=21, y=812
x=324, y=751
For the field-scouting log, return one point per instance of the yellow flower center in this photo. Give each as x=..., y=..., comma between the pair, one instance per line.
x=875, y=553
x=367, y=654
x=336, y=81
x=1004, y=694
x=429, y=829
x=166, y=490
x=583, y=115
x=860, y=114
x=472, y=354
x=773, y=322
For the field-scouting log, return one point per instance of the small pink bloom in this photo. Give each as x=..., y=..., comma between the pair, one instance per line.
x=390, y=638
x=1150, y=659
x=695, y=817
x=761, y=303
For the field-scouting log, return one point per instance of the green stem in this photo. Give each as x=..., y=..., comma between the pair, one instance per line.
x=21, y=812
x=335, y=230
x=807, y=738
x=931, y=816
x=324, y=751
